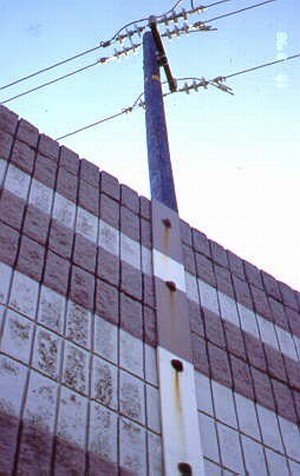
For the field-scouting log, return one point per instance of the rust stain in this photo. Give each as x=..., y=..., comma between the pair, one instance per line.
x=166, y=240
x=177, y=392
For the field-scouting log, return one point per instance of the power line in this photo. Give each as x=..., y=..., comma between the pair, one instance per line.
x=102, y=44
x=202, y=82
x=254, y=68
x=199, y=25
x=84, y=128
x=48, y=83
x=239, y=11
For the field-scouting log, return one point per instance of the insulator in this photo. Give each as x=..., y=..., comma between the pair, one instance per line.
x=186, y=27
x=174, y=16
x=186, y=88
x=176, y=30
x=136, y=30
x=184, y=14
x=165, y=20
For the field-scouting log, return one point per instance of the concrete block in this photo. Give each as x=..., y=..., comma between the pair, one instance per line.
x=224, y=404
x=107, y=301
x=61, y=239
x=51, y=309
x=204, y=393
x=108, y=266
x=153, y=409
x=109, y=238
x=88, y=197
x=214, y=331
x=242, y=378
x=267, y=331
x=82, y=287
x=71, y=434
x=131, y=316
x=208, y=297
x=64, y=210
x=17, y=182
x=3, y=165
x=45, y=170
x=131, y=281
x=248, y=320
x=147, y=266
x=209, y=439
x=132, y=397
x=204, y=269
x=13, y=380
x=269, y=428
x=154, y=449
x=11, y=209
x=254, y=457
x=76, y=368
x=40, y=196
x=24, y=294
x=41, y=401
x=105, y=383
x=47, y=352
x=87, y=224
x=212, y=469
x=131, y=354
x=277, y=464
x=247, y=417
x=48, y=147
x=130, y=251
x=17, y=336
x=229, y=439
x=228, y=309
x=78, y=326
x=129, y=222
x=72, y=417
x=191, y=287
x=110, y=185
x=5, y=279
x=150, y=365
x=35, y=451
x=132, y=447
x=105, y=339
x=295, y=468
x=291, y=438
x=286, y=343
x=103, y=432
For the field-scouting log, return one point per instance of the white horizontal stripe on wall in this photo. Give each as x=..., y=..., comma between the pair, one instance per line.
x=140, y=257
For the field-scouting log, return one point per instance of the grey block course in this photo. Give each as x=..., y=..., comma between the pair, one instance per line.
x=105, y=383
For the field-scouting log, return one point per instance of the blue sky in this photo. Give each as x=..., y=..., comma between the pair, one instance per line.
x=235, y=158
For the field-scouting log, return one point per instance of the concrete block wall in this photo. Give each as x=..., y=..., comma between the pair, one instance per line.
x=80, y=391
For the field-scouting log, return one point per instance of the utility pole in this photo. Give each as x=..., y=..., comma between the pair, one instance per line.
x=159, y=162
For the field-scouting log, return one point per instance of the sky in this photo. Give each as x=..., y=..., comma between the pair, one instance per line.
x=235, y=158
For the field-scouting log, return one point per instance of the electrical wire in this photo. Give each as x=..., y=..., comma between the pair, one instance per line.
x=244, y=71
x=48, y=83
x=72, y=73
x=254, y=68
x=235, y=12
x=102, y=44
x=138, y=103
x=101, y=121
x=48, y=68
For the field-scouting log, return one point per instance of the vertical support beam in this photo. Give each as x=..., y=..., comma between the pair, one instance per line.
x=160, y=170
x=182, y=449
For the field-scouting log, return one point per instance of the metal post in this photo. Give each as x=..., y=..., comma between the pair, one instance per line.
x=160, y=170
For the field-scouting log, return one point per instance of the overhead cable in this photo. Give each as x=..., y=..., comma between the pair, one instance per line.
x=197, y=83
x=102, y=44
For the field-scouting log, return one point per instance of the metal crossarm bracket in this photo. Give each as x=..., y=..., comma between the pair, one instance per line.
x=161, y=56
